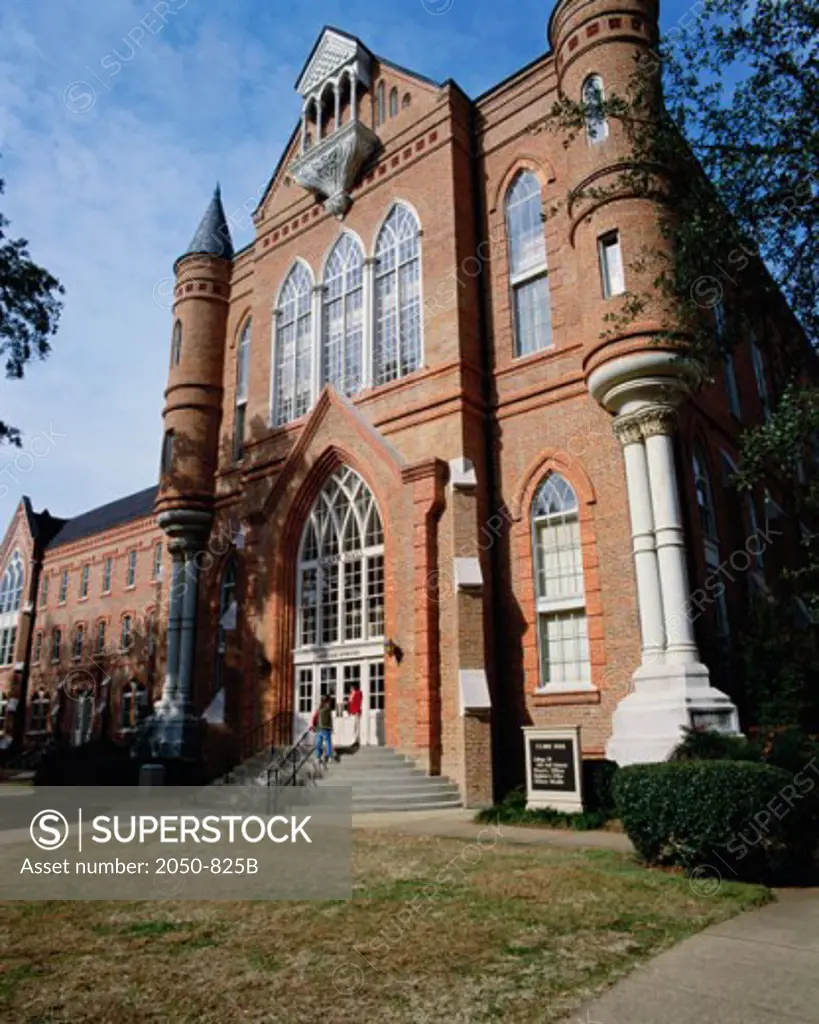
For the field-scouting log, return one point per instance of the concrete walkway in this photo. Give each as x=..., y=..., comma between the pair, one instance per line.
x=459, y=824
x=759, y=968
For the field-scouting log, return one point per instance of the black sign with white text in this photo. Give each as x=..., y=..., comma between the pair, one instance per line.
x=552, y=764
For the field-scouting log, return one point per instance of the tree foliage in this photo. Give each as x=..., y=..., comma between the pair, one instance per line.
x=30, y=307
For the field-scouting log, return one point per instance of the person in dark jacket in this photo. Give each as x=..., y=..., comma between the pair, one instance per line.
x=323, y=727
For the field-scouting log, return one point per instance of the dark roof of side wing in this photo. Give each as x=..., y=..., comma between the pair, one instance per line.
x=106, y=517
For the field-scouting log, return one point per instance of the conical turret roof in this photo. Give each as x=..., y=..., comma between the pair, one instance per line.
x=212, y=237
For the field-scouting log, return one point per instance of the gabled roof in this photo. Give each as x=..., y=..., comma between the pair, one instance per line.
x=333, y=46
x=106, y=517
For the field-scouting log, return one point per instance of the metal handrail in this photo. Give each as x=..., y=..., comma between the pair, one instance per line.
x=265, y=735
x=284, y=770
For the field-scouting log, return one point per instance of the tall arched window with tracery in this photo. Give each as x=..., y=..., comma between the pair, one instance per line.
x=593, y=97
x=343, y=320
x=528, y=268
x=398, y=324
x=294, y=346
x=11, y=597
x=340, y=592
x=242, y=378
x=710, y=536
x=559, y=587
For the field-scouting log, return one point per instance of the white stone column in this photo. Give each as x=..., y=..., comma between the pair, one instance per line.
x=649, y=598
x=353, y=91
x=658, y=424
x=304, y=129
x=337, y=123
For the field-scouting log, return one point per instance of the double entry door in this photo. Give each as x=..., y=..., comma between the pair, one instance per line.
x=337, y=679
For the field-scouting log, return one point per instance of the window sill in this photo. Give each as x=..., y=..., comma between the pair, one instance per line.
x=579, y=695
x=130, y=586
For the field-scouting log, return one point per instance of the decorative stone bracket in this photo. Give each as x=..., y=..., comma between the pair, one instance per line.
x=330, y=168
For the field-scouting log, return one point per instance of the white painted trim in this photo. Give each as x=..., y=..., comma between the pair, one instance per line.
x=468, y=573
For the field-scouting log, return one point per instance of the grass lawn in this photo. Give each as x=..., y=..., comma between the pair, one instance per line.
x=507, y=933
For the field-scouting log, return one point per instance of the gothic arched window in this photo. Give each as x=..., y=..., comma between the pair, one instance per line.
x=380, y=104
x=294, y=346
x=592, y=97
x=343, y=320
x=11, y=586
x=559, y=587
x=393, y=102
x=242, y=374
x=341, y=565
x=398, y=323
x=528, y=270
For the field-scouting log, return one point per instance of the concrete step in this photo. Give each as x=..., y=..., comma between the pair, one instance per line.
x=366, y=805
x=430, y=789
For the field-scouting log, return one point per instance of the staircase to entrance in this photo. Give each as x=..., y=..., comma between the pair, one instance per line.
x=383, y=780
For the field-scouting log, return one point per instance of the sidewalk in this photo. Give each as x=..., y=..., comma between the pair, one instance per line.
x=757, y=968
x=459, y=824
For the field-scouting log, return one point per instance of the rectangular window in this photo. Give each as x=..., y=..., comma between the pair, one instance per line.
x=305, y=691
x=377, y=686
x=564, y=649
x=722, y=625
x=130, y=573
x=8, y=641
x=44, y=591
x=533, y=315
x=731, y=385
x=79, y=640
x=99, y=643
x=156, y=573
x=38, y=647
x=127, y=637
x=86, y=570
x=611, y=264
x=56, y=644
x=239, y=431
x=167, y=452
x=63, y=587
x=107, y=567
x=761, y=380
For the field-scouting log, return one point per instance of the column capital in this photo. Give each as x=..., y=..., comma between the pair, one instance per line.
x=657, y=419
x=627, y=429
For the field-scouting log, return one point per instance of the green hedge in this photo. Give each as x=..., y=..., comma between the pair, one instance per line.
x=750, y=821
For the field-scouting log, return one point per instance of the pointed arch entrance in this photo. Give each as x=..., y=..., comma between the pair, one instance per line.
x=340, y=591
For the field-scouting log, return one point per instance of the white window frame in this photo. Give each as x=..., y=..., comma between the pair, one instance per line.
x=556, y=491
x=532, y=272
x=37, y=651
x=346, y=253
x=612, y=270
x=393, y=238
x=242, y=386
x=130, y=569
x=277, y=417
x=85, y=574
x=100, y=636
x=62, y=596
x=78, y=642
x=107, y=574
x=56, y=645
x=156, y=568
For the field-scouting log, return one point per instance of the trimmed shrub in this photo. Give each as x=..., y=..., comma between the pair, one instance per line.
x=598, y=777
x=709, y=745
x=754, y=820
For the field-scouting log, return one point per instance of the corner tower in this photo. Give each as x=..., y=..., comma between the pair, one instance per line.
x=599, y=47
x=191, y=419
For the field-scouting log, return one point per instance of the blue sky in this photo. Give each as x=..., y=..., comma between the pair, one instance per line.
x=114, y=127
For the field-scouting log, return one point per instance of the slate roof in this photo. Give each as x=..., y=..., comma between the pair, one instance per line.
x=212, y=237
x=106, y=517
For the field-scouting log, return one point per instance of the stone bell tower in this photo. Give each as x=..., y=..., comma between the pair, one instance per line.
x=599, y=46
x=191, y=419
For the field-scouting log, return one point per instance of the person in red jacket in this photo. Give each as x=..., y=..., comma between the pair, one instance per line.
x=354, y=707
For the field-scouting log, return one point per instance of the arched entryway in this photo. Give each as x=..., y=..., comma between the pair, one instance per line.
x=339, y=638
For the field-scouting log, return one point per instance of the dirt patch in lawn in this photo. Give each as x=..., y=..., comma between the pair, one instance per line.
x=513, y=934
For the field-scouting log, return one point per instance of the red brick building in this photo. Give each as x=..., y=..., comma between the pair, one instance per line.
x=398, y=451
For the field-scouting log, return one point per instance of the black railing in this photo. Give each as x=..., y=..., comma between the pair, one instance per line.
x=276, y=732
x=286, y=768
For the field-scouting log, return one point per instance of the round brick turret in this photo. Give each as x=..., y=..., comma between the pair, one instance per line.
x=615, y=40
x=193, y=397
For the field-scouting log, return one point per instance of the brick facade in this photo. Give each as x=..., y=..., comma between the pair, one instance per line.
x=514, y=420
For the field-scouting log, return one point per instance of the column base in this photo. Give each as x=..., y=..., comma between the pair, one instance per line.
x=174, y=731
x=648, y=723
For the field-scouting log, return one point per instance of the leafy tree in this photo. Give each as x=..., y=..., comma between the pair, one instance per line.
x=29, y=310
